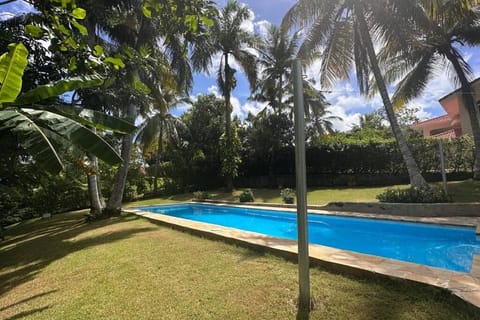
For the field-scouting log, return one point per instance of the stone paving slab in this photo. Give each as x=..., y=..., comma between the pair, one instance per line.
x=464, y=285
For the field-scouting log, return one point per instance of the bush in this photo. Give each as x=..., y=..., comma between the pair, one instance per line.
x=247, y=196
x=413, y=195
x=201, y=195
x=288, y=195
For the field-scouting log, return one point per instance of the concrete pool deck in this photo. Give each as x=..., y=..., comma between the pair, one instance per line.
x=464, y=285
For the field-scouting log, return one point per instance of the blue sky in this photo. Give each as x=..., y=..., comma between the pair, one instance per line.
x=344, y=98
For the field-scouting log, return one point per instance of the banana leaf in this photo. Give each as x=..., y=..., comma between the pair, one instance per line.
x=56, y=89
x=90, y=118
x=30, y=124
x=12, y=66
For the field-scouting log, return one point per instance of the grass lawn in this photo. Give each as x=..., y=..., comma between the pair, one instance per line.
x=460, y=191
x=129, y=268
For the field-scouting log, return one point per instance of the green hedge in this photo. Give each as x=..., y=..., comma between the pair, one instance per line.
x=365, y=158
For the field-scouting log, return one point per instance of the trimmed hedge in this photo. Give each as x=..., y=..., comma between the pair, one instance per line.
x=365, y=158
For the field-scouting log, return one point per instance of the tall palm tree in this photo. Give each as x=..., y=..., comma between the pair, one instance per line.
x=229, y=39
x=276, y=54
x=346, y=31
x=275, y=84
x=160, y=128
x=433, y=49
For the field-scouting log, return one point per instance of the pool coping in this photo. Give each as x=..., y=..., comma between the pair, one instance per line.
x=463, y=285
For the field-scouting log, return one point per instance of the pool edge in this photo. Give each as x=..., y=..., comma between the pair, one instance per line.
x=466, y=286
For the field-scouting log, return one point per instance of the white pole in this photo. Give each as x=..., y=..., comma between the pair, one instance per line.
x=300, y=168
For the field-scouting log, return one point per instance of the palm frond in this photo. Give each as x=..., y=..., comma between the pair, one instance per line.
x=415, y=81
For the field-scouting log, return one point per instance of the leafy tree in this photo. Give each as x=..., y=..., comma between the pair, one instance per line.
x=266, y=136
x=345, y=32
x=232, y=42
x=43, y=123
x=39, y=127
x=205, y=122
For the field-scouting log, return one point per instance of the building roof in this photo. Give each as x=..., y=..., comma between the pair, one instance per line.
x=443, y=118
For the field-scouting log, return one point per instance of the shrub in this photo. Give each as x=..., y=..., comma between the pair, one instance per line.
x=201, y=195
x=413, y=195
x=247, y=196
x=288, y=195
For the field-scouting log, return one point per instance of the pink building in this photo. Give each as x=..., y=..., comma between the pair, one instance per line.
x=456, y=122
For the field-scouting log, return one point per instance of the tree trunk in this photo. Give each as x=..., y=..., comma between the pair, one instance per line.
x=280, y=94
x=469, y=101
x=416, y=178
x=114, y=204
x=228, y=121
x=97, y=203
x=96, y=206
x=157, y=160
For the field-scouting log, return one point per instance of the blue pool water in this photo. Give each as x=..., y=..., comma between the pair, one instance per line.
x=432, y=245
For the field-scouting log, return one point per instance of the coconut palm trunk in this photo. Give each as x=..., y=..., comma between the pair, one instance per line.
x=114, y=204
x=469, y=102
x=96, y=205
x=416, y=178
x=159, y=155
x=228, y=120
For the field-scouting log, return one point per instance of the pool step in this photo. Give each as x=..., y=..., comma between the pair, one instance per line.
x=476, y=266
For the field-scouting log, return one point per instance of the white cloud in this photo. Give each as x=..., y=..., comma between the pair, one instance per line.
x=248, y=25
x=262, y=27
x=347, y=120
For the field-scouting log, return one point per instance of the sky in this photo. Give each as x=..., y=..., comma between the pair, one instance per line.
x=344, y=97
x=346, y=102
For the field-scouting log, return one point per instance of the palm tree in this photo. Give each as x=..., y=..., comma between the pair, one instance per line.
x=442, y=29
x=160, y=128
x=147, y=35
x=344, y=30
x=276, y=55
x=275, y=86
x=232, y=42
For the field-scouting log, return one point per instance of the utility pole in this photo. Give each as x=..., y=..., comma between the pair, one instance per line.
x=300, y=169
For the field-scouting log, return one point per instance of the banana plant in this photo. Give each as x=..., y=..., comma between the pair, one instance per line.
x=39, y=127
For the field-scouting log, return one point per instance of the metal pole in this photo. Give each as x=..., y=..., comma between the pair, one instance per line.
x=300, y=168
x=442, y=164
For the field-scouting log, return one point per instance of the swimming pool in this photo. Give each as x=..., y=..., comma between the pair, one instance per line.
x=446, y=247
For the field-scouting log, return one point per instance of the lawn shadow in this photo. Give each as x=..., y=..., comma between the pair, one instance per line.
x=27, y=299
x=24, y=314
x=28, y=253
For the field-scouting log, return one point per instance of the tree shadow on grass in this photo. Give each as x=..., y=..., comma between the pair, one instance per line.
x=31, y=250
x=27, y=299
x=24, y=314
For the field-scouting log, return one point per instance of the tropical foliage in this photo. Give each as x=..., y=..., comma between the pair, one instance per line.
x=231, y=41
x=447, y=28
x=345, y=32
x=74, y=81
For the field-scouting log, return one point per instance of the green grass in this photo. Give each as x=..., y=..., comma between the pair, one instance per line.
x=461, y=191
x=129, y=268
